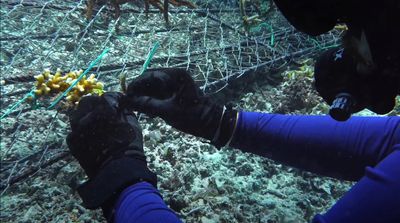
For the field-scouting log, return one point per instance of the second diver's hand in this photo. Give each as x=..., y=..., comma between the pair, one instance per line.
x=171, y=94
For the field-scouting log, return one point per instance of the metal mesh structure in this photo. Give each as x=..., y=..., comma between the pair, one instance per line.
x=208, y=41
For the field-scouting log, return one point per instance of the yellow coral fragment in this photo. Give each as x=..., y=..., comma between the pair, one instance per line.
x=58, y=82
x=341, y=27
x=40, y=78
x=38, y=92
x=80, y=87
x=99, y=85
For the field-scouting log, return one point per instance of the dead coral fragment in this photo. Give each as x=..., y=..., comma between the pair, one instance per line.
x=260, y=10
x=161, y=5
x=306, y=70
x=48, y=84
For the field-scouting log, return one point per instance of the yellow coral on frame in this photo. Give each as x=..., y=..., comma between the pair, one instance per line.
x=48, y=84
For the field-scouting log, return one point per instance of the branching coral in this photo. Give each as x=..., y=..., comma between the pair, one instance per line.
x=298, y=93
x=261, y=8
x=162, y=6
x=305, y=70
x=48, y=84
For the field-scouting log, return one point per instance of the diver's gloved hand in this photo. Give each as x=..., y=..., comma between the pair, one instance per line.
x=341, y=84
x=107, y=141
x=171, y=94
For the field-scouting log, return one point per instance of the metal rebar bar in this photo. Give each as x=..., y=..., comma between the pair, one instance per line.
x=33, y=169
x=51, y=36
x=172, y=11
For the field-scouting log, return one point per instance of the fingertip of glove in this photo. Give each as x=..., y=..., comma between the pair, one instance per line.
x=129, y=102
x=87, y=103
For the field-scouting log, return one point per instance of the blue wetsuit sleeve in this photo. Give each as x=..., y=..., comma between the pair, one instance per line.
x=315, y=143
x=318, y=143
x=142, y=202
x=347, y=150
x=375, y=198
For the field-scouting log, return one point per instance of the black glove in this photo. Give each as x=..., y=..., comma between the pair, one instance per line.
x=172, y=95
x=107, y=141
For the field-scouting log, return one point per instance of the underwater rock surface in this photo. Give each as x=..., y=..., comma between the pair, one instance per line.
x=199, y=182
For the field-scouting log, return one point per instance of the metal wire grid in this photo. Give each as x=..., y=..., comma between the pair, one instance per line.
x=50, y=34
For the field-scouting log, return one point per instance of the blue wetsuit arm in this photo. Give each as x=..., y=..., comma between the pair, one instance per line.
x=142, y=202
x=318, y=143
x=345, y=150
x=375, y=198
x=315, y=143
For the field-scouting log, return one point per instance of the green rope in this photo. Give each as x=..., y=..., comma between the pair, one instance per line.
x=258, y=27
x=58, y=99
x=149, y=57
x=13, y=107
x=315, y=42
x=92, y=64
x=268, y=26
x=330, y=46
x=321, y=47
x=272, y=40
